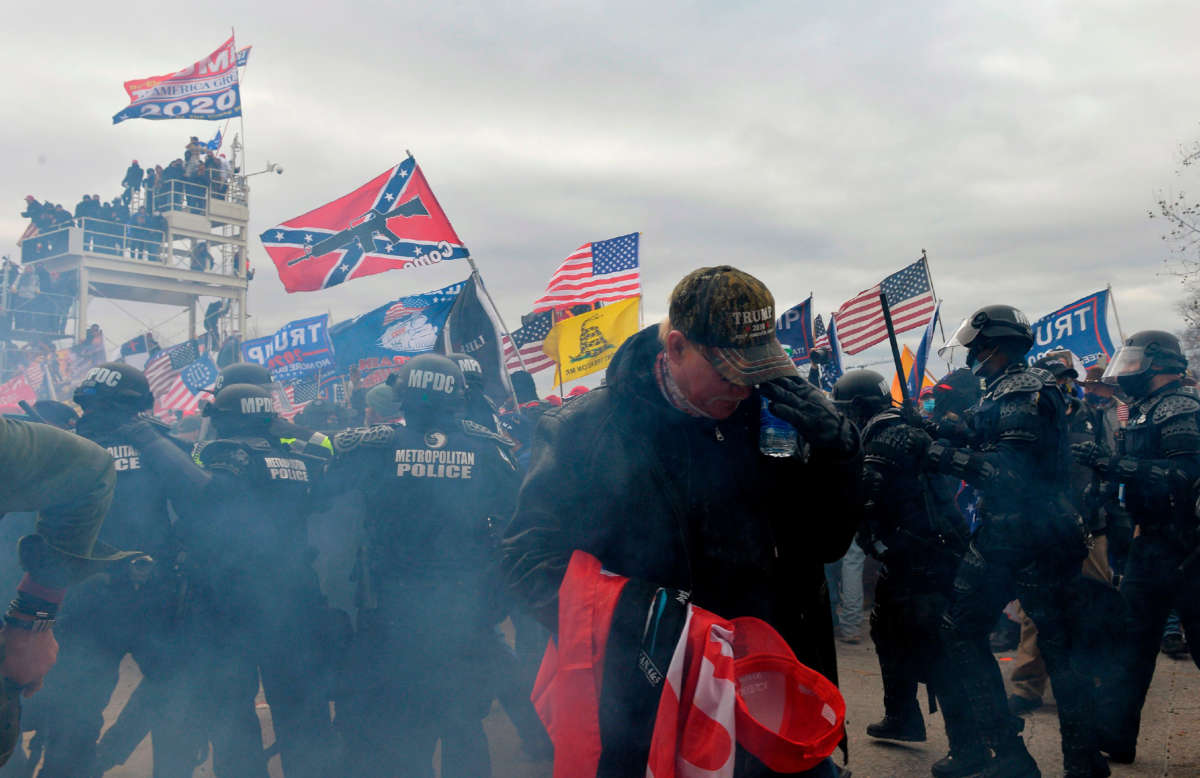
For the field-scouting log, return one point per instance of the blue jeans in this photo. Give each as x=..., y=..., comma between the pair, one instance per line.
x=845, y=580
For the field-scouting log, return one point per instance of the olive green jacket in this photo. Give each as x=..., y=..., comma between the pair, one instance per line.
x=70, y=482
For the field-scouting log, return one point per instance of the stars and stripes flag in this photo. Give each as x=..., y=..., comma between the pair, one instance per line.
x=603, y=271
x=820, y=336
x=299, y=395
x=164, y=374
x=909, y=293
x=392, y=222
x=529, y=338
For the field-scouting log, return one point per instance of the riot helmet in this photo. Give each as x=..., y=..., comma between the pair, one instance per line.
x=471, y=369
x=1145, y=354
x=114, y=386
x=991, y=330
x=241, y=407
x=243, y=373
x=428, y=387
x=860, y=394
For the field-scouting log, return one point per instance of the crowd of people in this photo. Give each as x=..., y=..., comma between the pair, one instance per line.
x=38, y=300
x=131, y=224
x=365, y=555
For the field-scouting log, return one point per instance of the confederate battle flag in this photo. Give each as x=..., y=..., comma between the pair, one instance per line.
x=390, y=223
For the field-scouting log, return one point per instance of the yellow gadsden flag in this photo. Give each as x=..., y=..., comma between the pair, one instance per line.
x=583, y=344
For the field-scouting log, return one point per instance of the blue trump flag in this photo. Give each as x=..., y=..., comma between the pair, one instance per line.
x=795, y=330
x=917, y=374
x=831, y=371
x=379, y=341
x=1080, y=327
x=296, y=350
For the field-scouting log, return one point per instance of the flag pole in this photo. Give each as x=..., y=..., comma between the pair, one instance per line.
x=503, y=362
x=488, y=295
x=1112, y=299
x=941, y=327
x=891, y=329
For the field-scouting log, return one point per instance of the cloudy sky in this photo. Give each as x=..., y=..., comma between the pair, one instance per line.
x=818, y=146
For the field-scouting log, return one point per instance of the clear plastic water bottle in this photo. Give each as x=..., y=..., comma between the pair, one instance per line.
x=776, y=438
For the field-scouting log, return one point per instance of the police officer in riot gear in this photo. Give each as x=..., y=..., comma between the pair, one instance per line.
x=1159, y=467
x=130, y=608
x=255, y=599
x=480, y=407
x=300, y=439
x=434, y=487
x=1029, y=544
x=911, y=525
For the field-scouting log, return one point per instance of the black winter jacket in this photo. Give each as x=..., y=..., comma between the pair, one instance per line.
x=683, y=502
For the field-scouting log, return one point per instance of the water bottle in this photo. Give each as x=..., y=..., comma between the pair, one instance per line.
x=776, y=438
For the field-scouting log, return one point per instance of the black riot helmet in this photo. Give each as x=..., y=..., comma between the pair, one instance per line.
x=471, y=369
x=114, y=386
x=241, y=407
x=1145, y=354
x=860, y=394
x=243, y=373
x=990, y=330
x=429, y=387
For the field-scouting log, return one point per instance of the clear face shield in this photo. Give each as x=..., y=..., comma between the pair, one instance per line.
x=962, y=338
x=1128, y=362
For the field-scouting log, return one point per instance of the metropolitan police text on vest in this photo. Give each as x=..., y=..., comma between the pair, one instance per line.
x=424, y=463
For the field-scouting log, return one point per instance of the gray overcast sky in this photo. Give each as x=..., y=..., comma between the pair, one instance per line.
x=819, y=147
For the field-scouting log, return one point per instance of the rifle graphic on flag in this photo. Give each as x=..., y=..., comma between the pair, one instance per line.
x=392, y=222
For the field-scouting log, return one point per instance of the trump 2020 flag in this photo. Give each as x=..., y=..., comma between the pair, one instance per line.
x=207, y=89
x=795, y=330
x=1080, y=327
x=392, y=222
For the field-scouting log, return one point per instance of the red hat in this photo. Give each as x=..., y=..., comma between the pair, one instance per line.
x=577, y=391
x=135, y=162
x=29, y=197
x=554, y=399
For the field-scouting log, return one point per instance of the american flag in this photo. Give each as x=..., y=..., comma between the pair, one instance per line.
x=820, y=336
x=910, y=298
x=35, y=375
x=604, y=271
x=528, y=339
x=162, y=372
x=299, y=395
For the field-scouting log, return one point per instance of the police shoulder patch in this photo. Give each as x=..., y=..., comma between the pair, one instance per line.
x=1174, y=405
x=477, y=430
x=357, y=437
x=225, y=455
x=1024, y=382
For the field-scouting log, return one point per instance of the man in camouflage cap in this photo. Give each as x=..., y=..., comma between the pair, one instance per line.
x=658, y=474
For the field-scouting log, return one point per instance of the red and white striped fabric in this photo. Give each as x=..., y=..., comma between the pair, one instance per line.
x=860, y=323
x=35, y=375
x=529, y=338
x=603, y=271
x=169, y=390
x=535, y=358
x=1122, y=413
x=294, y=407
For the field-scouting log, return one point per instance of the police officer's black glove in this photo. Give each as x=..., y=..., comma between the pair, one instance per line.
x=1091, y=454
x=900, y=448
x=806, y=408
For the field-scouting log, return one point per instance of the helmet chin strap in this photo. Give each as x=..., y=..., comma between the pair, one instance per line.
x=979, y=363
